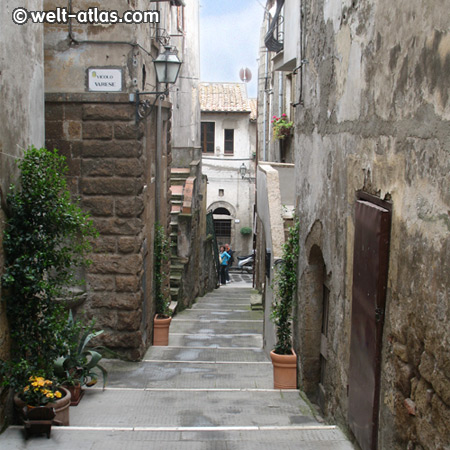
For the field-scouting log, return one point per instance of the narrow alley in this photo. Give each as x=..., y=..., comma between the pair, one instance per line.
x=210, y=389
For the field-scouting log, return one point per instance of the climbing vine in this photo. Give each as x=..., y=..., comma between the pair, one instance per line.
x=284, y=286
x=162, y=252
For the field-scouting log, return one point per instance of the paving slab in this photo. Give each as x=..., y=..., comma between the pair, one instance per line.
x=191, y=408
x=192, y=375
x=205, y=354
x=210, y=389
x=220, y=314
x=71, y=438
x=216, y=327
x=213, y=341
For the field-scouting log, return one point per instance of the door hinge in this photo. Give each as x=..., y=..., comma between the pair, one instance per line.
x=379, y=312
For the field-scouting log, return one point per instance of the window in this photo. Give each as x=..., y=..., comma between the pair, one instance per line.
x=180, y=19
x=208, y=130
x=221, y=192
x=229, y=142
x=222, y=228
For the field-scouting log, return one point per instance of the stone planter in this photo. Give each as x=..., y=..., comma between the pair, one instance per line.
x=61, y=407
x=161, y=330
x=284, y=370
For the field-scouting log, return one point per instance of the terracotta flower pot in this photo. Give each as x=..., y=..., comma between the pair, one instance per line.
x=75, y=393
x=284, y=370
x=61, y=406
x=161, y=330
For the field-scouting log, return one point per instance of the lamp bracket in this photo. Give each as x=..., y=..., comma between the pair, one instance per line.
x=144, y=107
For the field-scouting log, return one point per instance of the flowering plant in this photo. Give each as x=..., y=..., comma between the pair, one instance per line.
x=39, y=391
x=281, y=126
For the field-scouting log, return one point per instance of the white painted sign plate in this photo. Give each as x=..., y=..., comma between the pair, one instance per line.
x=105, y=80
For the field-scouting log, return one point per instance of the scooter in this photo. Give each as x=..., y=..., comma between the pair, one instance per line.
x=246, y=263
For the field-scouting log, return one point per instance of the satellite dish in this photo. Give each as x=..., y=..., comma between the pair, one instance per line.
x=245, y=75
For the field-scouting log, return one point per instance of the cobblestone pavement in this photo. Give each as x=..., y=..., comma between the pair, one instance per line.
x=211, y=388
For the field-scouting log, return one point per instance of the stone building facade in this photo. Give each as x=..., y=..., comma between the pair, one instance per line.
x=21, y=115
x=119, y=163
x=371, y=152
x=228, y=141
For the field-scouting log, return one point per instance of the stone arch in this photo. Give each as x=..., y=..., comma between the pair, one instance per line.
x=224, y=222
x=216, y=205
x=313, y=317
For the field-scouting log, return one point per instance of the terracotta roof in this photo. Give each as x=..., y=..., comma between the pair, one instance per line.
x=253, y=108
x=224, y=97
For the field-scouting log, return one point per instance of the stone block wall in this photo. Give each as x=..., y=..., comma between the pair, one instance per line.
x=373, y=116
x=112, y=170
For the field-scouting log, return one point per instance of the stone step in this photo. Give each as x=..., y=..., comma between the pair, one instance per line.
x=168, y=437
x=175, y=281
x=174, y=294
x=180, y=171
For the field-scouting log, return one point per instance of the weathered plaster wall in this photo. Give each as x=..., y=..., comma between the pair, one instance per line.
x=223, y=173
x=185, y=96
x=21, y=113
x=72, y=48
x=376, y=118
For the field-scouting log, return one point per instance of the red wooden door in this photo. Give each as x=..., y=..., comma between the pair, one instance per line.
x=370, y=268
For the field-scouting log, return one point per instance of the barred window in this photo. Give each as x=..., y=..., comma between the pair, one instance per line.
x=229, y=142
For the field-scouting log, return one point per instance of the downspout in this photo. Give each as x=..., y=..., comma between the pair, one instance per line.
x=158, y=161
x=265, y=95
x=265, y=106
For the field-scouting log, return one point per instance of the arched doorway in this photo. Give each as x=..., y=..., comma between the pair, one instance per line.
x=224, y=215
x=222, y=225
x=315, y=325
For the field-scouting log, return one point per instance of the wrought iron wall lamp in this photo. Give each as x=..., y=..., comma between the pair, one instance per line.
x=243, y=172
x=167, y=68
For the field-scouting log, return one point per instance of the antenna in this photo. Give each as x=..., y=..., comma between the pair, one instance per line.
x=245, y=75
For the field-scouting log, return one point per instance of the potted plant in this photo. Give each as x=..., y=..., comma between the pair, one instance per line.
x=163, y=314
x=41, y=392
x=281, y=127
x=283, y=357
x=78, y=367
x=46, y=238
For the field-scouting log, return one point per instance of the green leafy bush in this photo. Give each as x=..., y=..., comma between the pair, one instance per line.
x=45, y=240
x=162, y=253
x=285, y=285
x=245, y=231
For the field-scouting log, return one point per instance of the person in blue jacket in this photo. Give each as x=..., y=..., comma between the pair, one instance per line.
x=224, y=258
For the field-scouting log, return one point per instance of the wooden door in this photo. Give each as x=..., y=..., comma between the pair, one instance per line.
x=370, y=269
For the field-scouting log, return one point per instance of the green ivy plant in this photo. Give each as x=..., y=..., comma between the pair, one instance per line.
x=284, y=286
x=161, y=255
x=245, y=231
x=46, y=238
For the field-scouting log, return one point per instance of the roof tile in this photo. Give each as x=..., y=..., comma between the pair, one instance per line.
x=225, y=97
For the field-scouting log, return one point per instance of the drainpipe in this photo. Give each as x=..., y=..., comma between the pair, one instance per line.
x=265, y=96
x=158, y=162
x=280, y=94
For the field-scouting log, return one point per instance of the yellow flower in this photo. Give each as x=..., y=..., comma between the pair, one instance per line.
x=58, y=394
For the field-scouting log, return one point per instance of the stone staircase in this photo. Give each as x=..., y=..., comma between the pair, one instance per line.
x=178, y=179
